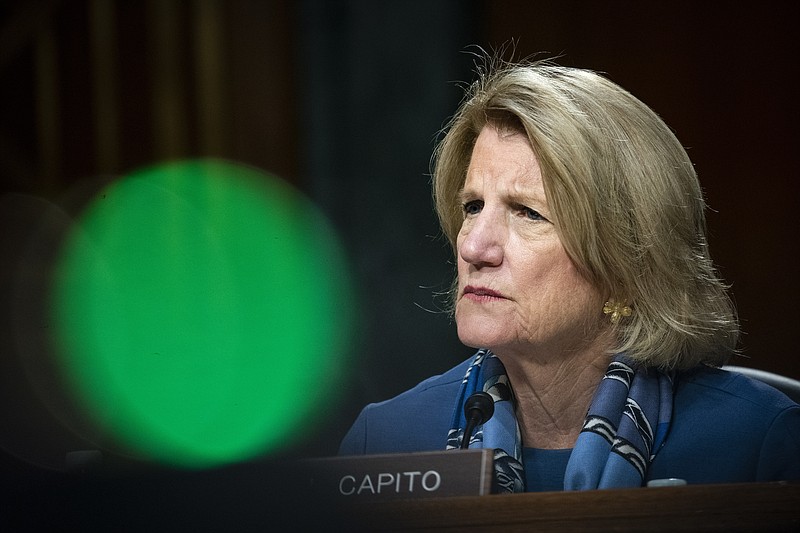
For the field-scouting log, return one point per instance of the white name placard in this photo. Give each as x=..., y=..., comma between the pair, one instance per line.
x=401, y=476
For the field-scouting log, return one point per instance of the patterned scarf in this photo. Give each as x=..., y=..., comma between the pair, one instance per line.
x=627, y=423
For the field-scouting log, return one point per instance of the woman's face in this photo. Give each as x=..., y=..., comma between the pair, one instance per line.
x=518, y=291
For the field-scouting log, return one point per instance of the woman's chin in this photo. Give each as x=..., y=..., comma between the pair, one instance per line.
x=478, y=338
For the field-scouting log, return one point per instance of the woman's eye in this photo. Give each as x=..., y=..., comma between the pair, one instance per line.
x=532, y=213
x=473, y=208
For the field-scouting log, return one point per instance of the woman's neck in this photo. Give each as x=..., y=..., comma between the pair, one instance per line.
x=553, y=395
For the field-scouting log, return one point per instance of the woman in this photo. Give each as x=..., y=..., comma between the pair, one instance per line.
x=585, y=282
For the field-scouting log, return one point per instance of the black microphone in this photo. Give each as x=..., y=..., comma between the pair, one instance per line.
x=478, y=409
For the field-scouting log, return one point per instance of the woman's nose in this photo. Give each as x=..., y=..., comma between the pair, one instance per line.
x=482, y=241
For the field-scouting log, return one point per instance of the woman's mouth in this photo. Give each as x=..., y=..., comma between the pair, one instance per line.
x=481, y=293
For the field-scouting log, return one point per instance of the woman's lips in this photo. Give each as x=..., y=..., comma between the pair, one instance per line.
x=481, y=293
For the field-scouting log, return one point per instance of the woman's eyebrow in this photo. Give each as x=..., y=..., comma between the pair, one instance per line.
x=465, y=194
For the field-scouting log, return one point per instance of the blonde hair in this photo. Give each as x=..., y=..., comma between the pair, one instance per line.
x=624, y=197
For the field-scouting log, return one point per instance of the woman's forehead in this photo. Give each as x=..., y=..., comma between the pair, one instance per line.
x=503, y=160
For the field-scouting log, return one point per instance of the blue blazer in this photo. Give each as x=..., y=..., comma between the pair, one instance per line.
x=726, y=427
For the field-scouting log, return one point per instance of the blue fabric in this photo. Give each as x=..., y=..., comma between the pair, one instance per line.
x=501, y=432
x=545, y=469
x=630, y=410
x=628, y=419
x=726, y=427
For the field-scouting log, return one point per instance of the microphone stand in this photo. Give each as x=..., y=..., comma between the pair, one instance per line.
x=478, y=409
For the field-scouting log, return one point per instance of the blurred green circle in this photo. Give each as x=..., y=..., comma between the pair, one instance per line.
x=202, y=311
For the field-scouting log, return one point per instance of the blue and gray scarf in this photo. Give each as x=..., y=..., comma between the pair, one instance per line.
x=626, y=424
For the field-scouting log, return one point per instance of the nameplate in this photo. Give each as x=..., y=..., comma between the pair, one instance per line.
x=401, y=476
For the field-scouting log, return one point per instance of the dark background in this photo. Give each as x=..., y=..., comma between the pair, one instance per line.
x=346, y=99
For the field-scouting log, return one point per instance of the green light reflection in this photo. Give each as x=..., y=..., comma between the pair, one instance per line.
x=202, y=312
